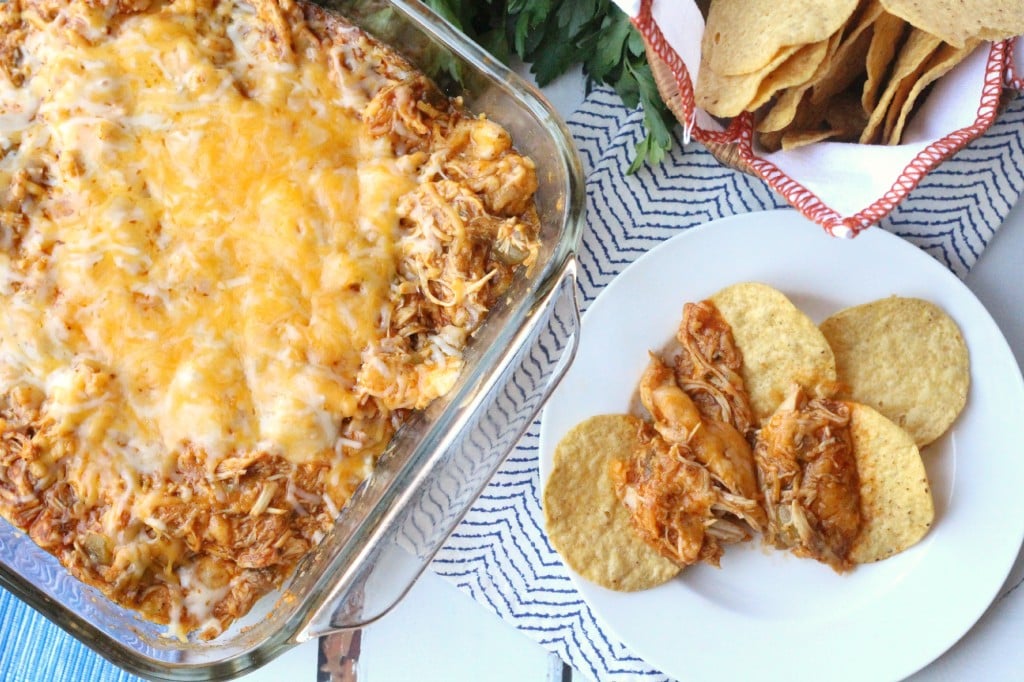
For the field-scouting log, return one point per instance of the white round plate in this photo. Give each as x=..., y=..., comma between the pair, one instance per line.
x=766, y=614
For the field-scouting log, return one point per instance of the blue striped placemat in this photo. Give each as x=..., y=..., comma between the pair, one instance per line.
x=32, y=649
x=499, y=554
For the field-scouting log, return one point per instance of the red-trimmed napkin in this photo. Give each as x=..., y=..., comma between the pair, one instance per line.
x=842, y=186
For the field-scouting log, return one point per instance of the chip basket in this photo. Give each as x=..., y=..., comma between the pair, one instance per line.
x=734, y=144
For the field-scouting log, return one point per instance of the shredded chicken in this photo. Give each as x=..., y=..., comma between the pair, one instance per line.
x=808, y=475
x=692, y=485
x=467, y=228
x=676, y=505
x=709, y=368
x=244, y=526
x=715, y=444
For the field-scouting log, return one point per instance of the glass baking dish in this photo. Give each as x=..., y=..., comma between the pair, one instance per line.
x=436, y=465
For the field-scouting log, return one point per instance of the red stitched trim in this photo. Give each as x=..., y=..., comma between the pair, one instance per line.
x=740, y=132
x=731, y=135
x=926, y=160
x=937, y=152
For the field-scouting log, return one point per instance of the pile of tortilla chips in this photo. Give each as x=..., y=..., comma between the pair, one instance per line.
x=901, y=363
x=844, y=70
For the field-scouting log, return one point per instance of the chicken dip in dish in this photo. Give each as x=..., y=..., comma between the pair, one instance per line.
x=239, y=243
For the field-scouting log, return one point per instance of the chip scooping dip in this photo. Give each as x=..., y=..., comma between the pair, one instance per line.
x=808, y=474
x=585, y=521
x=779, y=343
x=691, y=488
x=906, y=358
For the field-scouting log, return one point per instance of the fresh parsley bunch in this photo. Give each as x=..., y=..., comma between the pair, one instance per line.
x=554, y=35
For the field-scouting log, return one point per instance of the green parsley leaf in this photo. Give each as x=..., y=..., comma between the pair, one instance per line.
x=553, y=36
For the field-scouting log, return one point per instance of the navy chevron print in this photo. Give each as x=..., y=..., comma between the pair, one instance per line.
x=499, y=554
x=957, y=208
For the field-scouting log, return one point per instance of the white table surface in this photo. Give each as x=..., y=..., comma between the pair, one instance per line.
x=439, y=634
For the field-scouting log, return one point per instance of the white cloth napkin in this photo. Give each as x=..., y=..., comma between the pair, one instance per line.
x=499, y=554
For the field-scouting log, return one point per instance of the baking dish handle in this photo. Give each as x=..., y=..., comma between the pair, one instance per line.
x=494, y=421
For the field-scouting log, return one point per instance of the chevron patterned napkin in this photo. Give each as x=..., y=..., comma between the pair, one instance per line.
x=499, y=554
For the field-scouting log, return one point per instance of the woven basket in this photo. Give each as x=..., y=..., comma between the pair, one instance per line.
x=727, y=154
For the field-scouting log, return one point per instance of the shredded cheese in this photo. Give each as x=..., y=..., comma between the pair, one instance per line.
x=219, y=289
x=204, y=307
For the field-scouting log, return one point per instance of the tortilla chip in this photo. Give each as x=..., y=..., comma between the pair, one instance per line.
x=906, y=358
x=799, y=110
x=731, y=95
x=942, y=58
x=784, y=111
x=910, y=63
x=797, y=70
x=895, y=499
x=769, y=142
x=742, y=36
x=958, y=22
x=716, y=93
x=849, y=60
x=779, y=343
x=939, y=65
x=845, y=114
x=792, y=99
x=886, y=36
x=801, y=138
x=585, y=521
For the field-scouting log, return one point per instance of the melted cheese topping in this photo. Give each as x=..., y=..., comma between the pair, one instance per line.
x=238, y=243
x=217, y=252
